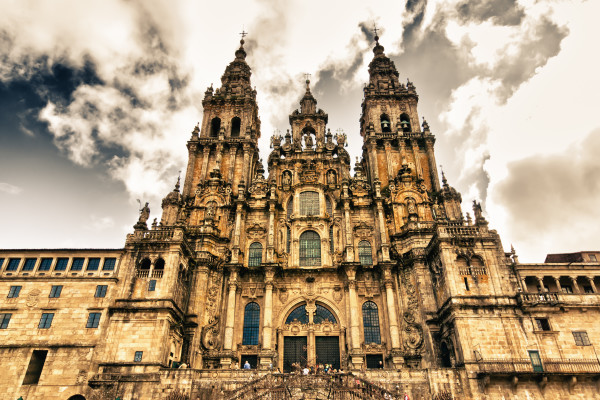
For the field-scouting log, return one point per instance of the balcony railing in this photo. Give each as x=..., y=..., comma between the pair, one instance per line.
x=515, y=366
x=538, y=298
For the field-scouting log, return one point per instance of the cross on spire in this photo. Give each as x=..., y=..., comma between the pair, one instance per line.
x=375, y=29
x=307, y=77
x=243, y=33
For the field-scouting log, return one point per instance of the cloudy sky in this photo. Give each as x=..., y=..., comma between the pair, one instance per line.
x=98, y=98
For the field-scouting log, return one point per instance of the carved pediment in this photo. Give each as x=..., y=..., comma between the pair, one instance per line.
x=363, y=231
x=256, y=231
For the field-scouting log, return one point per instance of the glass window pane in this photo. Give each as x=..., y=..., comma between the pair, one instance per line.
x=45, y=264
x=13, y=264
x=29, y=264
x=93, y=264
x=109, y=264
x=365, y=255
x=371, y=323
x=309, y=203
x=61, y=264
x=251, y=324
x=310, y=249
x=323, y=314
x=298, y=313
x=255, y=255
x=77, y=264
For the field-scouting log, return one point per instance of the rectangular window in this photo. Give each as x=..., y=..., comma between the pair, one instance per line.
x=45, y=264
x=93, y=264
x=13, y=264
x=4, y=320
x=93, y=320
x=309, y=203
x=581, y=338
x=1, y=262
x=109, y=264
x=77, y=264
x=61, y=264
x=152, y=285
x=101, y=291
x=138, y=356
x=542, y=324
x=55, y=291
x=34, y=370
x=29, y=264
x=46, y=320
x=14, y=291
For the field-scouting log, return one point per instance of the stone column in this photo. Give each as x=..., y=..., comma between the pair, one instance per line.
x=356, y=354
x=391, y=305
x=575, y=285
x=524, y=284
x=385, y=246
x=268, y=312
x=189, y=173
x=232, y=153
x=219, y=156
x=415, y=147
x=311, y=353
x=592, y=284
x=435, y=180
x=374, y=162
x=230, y=316
x=246, y=167
x=390, y=164
x=205, y=157
x=348, y=231
x=541, y=283
x=236, y=233
x=557, y=282
x=271, y=231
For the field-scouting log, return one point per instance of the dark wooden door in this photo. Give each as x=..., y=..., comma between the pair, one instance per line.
x=294, y=351
x=328, y=350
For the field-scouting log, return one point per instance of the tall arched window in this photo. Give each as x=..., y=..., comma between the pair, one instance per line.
x=310, y=249
x=251, y=324
x=290, y=207
x=328, y=206
x=309, y=203
x=299, y=313
x=288, y=243
x=236, y=123
x=331, y=239
x=215, y=127
x=405, y=123
x=371, y=323
x=255, y=255
x=385, y=123
x=323, y=314
x=365, y=255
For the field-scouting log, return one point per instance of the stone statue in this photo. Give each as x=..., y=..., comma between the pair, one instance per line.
x=286, y=180
x=331, y=177
x=411, y=205
x=308, y=141
x=144, y=214
x=211, y=210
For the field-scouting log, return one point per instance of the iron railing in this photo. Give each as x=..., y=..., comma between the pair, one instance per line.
x=548, y=365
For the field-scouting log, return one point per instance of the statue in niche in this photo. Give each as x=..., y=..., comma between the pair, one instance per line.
x=286, y=179
x=331, y=179
x=144, y=214
x=308, y=141
x=211, y=210
x=411, y=206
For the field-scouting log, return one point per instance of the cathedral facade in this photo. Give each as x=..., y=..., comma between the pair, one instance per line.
x=377, y=274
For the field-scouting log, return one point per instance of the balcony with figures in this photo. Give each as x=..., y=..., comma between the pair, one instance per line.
x=570, y=290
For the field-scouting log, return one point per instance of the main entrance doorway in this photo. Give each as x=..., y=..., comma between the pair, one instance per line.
x=294, y=351
x=328, y=350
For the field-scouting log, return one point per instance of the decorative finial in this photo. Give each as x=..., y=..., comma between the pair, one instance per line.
x=375, y=31
x=307, y=77
x=444, y=181
x=177, y=185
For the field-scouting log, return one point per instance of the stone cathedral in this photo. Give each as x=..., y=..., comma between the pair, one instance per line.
x=248, y=276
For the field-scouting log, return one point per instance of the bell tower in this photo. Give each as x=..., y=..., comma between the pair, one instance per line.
x=227, y=139
x=389, y=125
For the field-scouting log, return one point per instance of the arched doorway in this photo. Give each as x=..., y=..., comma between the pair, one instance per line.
x=310, y=336
x=76, y=397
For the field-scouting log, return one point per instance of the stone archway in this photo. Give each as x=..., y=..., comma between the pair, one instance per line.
x=76, y=397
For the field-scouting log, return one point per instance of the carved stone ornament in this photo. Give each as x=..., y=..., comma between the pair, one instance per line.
x=283, y=294
x=253, y=291
x=33, y=298
x=259, y=187
x=256, y=231
x=309, y=172
x=338, y=294
x=210, y=334
x=363, y=231
x=359, y=187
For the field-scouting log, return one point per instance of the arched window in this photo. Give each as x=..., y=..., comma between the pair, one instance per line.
x=309, y=203
x=145, y=264
x=255, y=255
x=251, y=324
x=385, y=123
x=159, y=264
x=371, y=323
x=288, y=243
x=215, y=127
x=405, y=123
x=300, y=314
x=310, y=249
x=328, y=206
x=331, y=239
x=290, y=207
x=323, y=314
x=365, y=255
x=236, y=123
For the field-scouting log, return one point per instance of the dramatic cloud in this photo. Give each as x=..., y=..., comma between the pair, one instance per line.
x=547, y=193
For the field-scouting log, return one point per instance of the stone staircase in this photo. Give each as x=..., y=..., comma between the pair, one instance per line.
x=345, y=386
